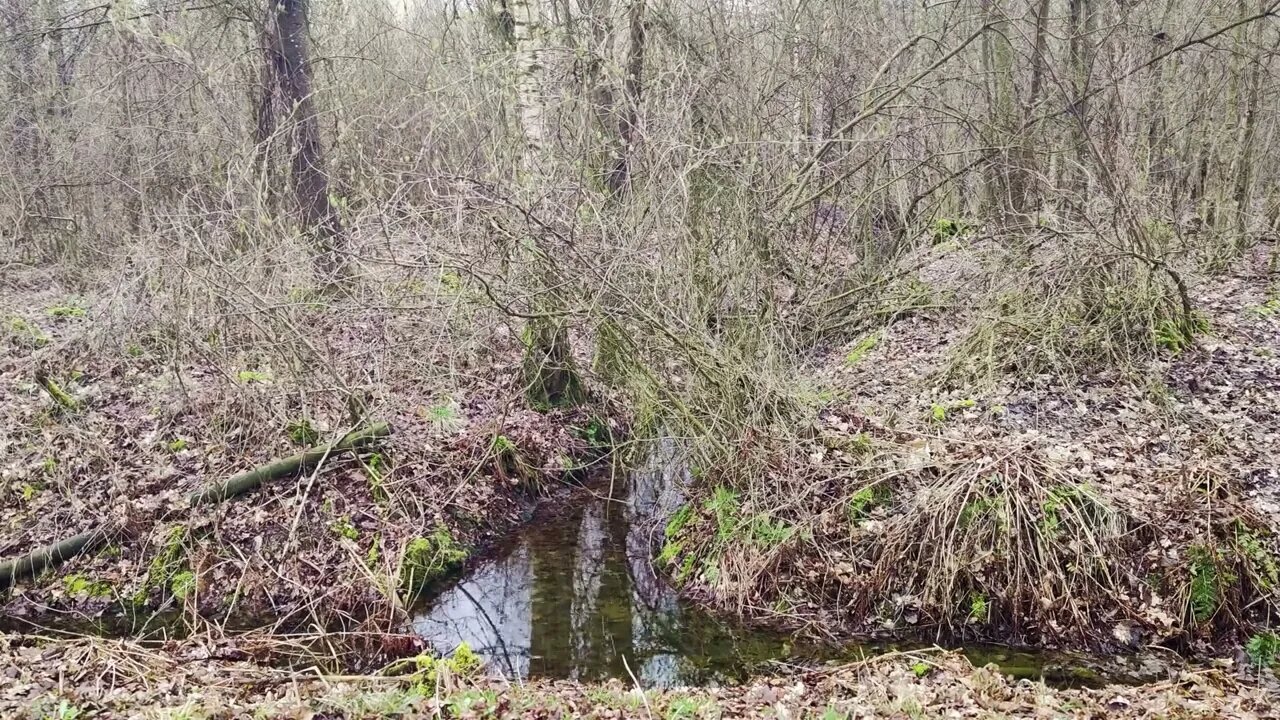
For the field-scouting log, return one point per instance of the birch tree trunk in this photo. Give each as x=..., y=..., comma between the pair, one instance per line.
x=548, y=371
x=529, y=36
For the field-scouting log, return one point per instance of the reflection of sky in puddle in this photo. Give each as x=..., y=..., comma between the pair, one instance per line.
x=576, y=598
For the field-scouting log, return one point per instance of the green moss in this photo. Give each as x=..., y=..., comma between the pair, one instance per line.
x=309, y=298
x=302, y=433
x=864, y=346
x=28, y=492
x=177, y=445
x=26, y=333
x=427, y=559
x=170, y=562
x=678, y=520
x=947, y=228
x=81, y=586
x=866, y=499
x=450, y=282
x=671, y=550
x=1266, y=309
x=182, y=584
x=344, y=528
x=65, y=311
x=427, y=669
x=253, y=376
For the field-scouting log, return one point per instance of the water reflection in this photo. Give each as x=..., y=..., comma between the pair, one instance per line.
x=577, y=598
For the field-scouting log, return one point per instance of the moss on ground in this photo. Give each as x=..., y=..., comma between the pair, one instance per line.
x=428, y=558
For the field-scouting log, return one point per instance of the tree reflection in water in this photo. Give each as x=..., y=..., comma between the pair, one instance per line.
x=577, y=595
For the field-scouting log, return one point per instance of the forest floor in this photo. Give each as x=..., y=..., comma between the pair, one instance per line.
x=947, y=489
x=165, y=406
x=195, y=679
x=1182, y=448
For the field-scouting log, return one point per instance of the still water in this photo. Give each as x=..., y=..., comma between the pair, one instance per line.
x=575, y=597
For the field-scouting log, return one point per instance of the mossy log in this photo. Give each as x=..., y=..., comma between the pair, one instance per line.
x=55, y=391
x=37, y=561
x=291, y=465
x=51, y=556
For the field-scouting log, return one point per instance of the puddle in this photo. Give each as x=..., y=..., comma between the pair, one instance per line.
x=574, y=597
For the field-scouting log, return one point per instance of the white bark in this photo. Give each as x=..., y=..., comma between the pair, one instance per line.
x=529, y=32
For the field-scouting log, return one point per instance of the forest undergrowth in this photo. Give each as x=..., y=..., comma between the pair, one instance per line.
x=964, y=317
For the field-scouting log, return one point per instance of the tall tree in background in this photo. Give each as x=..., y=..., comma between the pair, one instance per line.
x=619, y=175
x=286, y=63
x=22, y=70
x=548, y=370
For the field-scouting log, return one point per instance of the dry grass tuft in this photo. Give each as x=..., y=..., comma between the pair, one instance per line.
x=1003, y=538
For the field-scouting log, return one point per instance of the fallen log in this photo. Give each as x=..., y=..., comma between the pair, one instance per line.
x=291, y=465
x=51, y=556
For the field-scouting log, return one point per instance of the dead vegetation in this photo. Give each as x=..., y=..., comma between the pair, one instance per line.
x=49, y=677
x=964, y=315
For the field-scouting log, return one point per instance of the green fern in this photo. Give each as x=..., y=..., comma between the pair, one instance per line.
x=1262, y=649
x=723, y=506
x=1207, y=582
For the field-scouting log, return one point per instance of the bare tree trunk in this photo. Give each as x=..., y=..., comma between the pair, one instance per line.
x=62, y=61
x=268, y=84
x=1079, y=59
x=1250, y=99
x=310, y=180
x=997, y=66
x=527, y=33
x=1039, y=59
x=22, y=79
x=619, y=176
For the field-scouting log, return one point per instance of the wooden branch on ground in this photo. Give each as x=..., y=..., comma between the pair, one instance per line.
x=291, y=465
x=51, y=556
